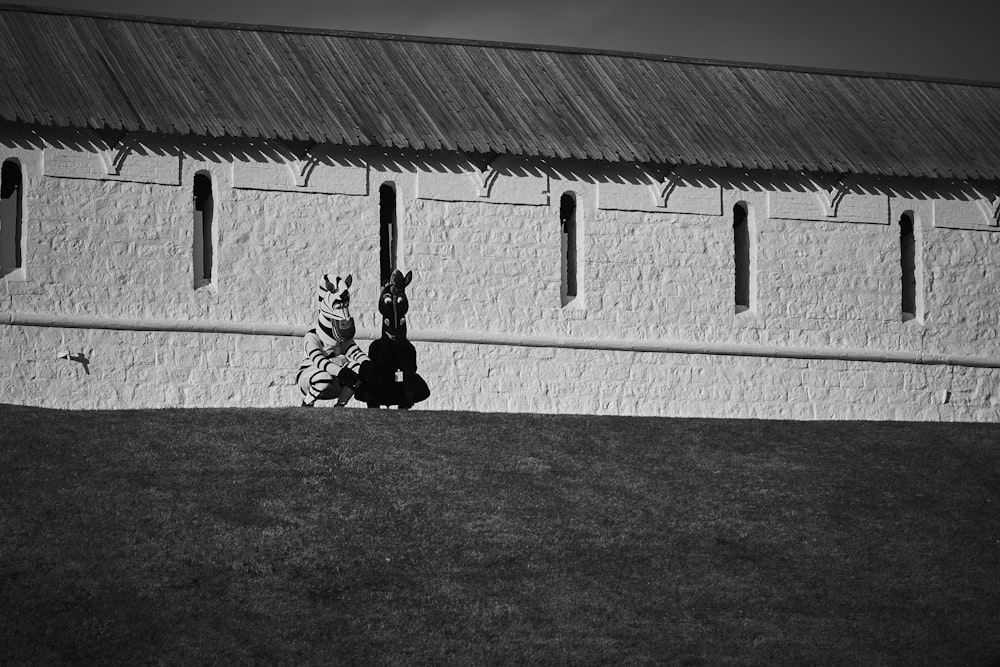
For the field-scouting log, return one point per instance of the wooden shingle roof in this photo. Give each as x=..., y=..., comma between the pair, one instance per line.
x=72, y=69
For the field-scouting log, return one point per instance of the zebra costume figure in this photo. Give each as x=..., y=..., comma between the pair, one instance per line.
x=335, y=366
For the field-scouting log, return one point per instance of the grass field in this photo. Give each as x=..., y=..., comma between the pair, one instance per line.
x=292, y=536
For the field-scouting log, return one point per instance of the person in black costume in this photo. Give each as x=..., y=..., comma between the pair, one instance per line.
x=394, y=379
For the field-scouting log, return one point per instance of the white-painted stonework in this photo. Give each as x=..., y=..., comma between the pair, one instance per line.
x=107, y=234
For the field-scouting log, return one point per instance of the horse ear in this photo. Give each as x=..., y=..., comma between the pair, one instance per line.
x=347, y=280
x=409, y=278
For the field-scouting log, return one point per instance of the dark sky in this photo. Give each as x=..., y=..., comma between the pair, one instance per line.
x=952, y=38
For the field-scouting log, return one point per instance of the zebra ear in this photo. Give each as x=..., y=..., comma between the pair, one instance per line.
x=347, y=280
x=409, y=278
x=329, y=286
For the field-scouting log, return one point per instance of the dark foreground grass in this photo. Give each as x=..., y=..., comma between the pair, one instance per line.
x=376, y=537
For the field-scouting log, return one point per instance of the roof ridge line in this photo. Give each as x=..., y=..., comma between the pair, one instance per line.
x=519, y=46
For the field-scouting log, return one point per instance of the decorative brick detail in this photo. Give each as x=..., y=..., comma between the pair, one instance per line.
x=967, y=206
x=835, y=199
x=666, y=190
x=131, y=157
x=491, y=179
x=318, y=169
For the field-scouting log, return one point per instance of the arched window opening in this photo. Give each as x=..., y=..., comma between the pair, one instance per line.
x=741, y=257
x=387, y=231
x=10, y=217
x=908, y=266
x=744, y=259
x=204, y=212
x=568, y=246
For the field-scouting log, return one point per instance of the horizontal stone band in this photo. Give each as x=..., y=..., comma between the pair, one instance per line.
x=485, y=338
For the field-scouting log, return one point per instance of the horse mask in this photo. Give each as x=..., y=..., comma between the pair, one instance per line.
x=393, y=304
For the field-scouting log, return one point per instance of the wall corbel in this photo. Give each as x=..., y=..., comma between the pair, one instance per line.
x=663, y=182
x=992, y=207
x=300, y=163
x=484, y=173
x=112, y=149
x=833, y=195
x=305, y=165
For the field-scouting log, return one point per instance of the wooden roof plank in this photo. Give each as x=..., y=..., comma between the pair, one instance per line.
x=171, y=77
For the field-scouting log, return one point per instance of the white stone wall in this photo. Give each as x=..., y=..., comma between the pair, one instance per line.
x=108, y=234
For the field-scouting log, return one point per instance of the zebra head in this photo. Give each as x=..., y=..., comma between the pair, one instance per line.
x=393, y=304
x=334, y=307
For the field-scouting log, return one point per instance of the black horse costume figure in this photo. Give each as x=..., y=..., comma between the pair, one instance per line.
x=394, y=379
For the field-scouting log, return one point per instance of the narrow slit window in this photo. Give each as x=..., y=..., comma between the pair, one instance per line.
x=387, y=231
x=10, y=217
x=204, y=213
x=741, y=257
x=908, y=266
x=568, y=246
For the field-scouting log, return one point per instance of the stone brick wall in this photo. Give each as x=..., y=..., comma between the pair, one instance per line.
x=108, y=234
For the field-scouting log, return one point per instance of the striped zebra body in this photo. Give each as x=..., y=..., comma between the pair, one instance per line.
x=334, y=364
